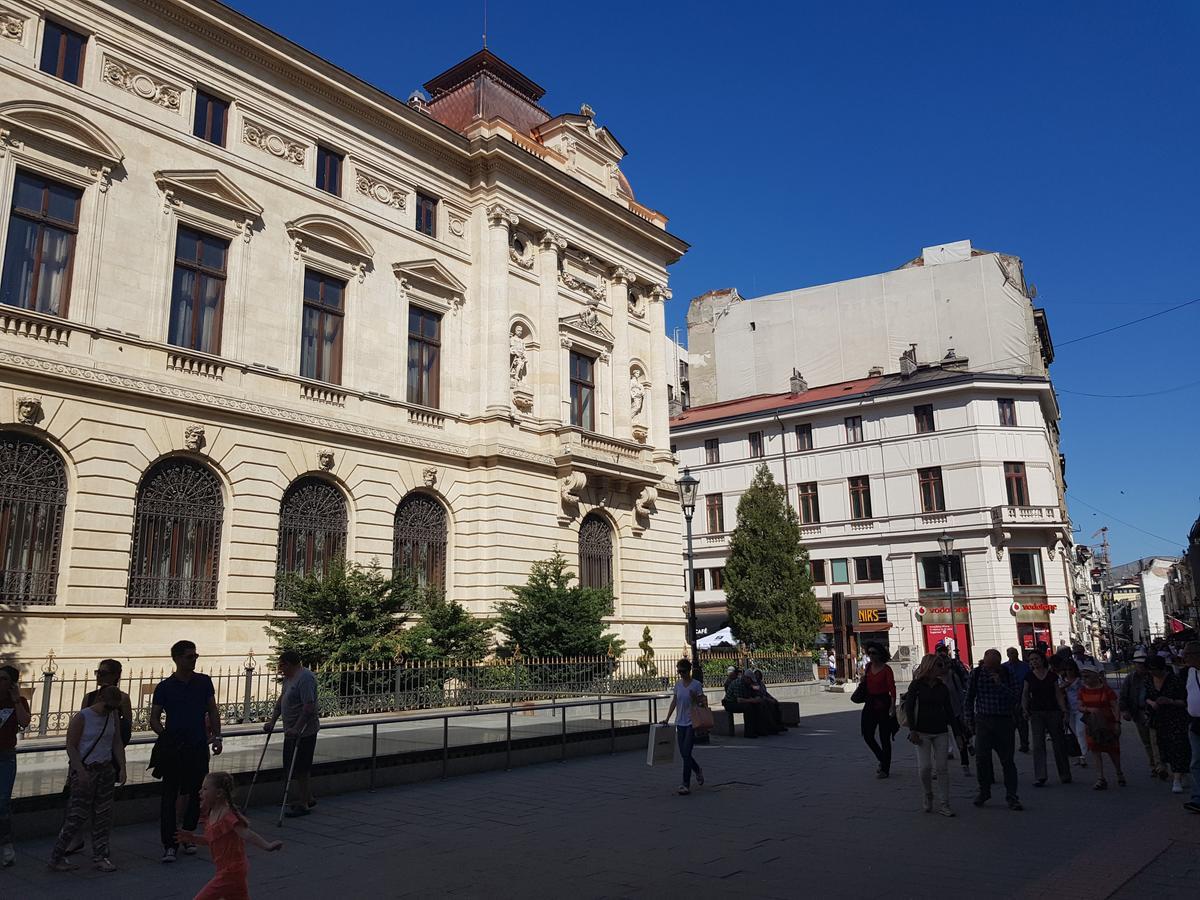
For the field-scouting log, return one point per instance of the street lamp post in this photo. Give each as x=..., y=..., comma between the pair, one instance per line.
x=687, y=501
x=946, y=543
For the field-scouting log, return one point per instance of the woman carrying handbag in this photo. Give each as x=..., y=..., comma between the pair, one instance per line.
x=688, y=698
x=877, y=693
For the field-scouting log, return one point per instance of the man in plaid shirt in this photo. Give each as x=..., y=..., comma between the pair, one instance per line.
x=991, y=698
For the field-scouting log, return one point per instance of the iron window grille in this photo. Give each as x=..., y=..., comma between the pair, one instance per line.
x=33, y=498
x=312, y=532
x=419, y=541
x=595, y=553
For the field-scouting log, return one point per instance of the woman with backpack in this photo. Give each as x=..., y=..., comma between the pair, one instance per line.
x=928, y=713
x=877, y=693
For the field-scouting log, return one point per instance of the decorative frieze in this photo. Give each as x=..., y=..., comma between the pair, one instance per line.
x=12, y=26
x=141, y=84
x=380, y=190
x=262, y=137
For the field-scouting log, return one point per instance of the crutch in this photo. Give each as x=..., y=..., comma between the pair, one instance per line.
x=287, y=784
x=261, y=757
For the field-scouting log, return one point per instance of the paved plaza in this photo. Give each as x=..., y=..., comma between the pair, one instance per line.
x=794, y=816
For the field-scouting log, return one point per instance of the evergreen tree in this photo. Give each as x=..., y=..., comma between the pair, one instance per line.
x=646, y=660
x=446, y=630
x=768, y=589
x=549, y=617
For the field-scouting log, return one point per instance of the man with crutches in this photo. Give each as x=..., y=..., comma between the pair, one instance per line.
x=297, y=704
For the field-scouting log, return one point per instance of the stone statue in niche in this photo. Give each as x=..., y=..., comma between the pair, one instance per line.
x=637, y=395
x=518, y=356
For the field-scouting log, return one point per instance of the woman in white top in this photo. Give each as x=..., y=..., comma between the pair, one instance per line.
x=688, y=693
x=97, y=757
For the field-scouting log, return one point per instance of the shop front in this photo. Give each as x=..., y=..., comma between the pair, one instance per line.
x=1033, y=623
x=939, y=629
x=872, y=625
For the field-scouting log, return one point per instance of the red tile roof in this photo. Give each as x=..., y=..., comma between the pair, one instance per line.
x=770, y=402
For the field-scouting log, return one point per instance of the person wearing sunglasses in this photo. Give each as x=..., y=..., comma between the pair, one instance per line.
x=180, y=755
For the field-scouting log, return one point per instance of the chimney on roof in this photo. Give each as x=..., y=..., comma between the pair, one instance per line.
x=953, y=361
x=908, y=361
x=418, y=101
x=797, y=383
x=875, y=372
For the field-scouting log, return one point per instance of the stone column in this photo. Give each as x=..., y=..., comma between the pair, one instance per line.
x=618, y=296
x=550, y=359
x=494, y=388
x=657, y=416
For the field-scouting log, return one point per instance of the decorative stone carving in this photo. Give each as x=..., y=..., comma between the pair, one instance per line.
x=646, y=503
x=29, y=410
x=520, y=250
x=637, y=394
x=594, y=291
x=637, y=303
x=518, y=356
x=552, y=241
x=325, y=459
x=522, y=399
x=380, y=191
x=640, y=433
x=12, y=26
x=586, y=111
x=570, y=487
x=565, y=342
x=589, y=320
x=429, y=475
x=1052, y=551
x=270, y=142
x=659, y=292
x=141, y=84
x=501, y=216
x=193, y=437
x=458, y=225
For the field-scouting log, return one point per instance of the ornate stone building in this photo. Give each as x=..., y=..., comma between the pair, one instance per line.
x=256, y=313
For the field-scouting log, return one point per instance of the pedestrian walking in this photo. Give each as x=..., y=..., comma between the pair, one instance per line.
x=1081, y=657
x=226, y=832
x=991, y=696
x=297, y=704
x=832, y=667
x=1072, y=684
x=1018, y=669
x=1167, y=700
x=1102, y=724
x=1045, y=706
x=955, y=678
x=878, y=690
x=97, y=757
x=1191, y=658
x=14, y=715
x=1132, y=702
x=687, y=693
x=928, y=712
x=180, y=755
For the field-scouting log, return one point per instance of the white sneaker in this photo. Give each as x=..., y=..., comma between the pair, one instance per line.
x=684, y=789
x=1176, y=788
x=169, y=855
x=189, y=849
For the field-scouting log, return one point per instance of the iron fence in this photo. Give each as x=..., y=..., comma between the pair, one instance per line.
x=249, y=693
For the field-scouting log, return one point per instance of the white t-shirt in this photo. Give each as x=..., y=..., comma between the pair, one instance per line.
x=685, y=695
x=1193, y=688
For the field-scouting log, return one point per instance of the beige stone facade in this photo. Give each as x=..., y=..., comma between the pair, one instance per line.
x=522, y=241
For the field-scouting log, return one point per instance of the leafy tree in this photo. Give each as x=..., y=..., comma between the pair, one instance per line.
x=350, y=615
x=446, y=630
x=646, y=662
x=549, y=617
x=768, y=590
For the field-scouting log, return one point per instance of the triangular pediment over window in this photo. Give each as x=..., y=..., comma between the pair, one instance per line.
x=431, y=273
x=210, y=185
x=332, y=233
x=28, y=118
x=588, y=325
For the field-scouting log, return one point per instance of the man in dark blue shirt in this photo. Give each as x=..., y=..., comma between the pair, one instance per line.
x=991, y=698
x=181, y=754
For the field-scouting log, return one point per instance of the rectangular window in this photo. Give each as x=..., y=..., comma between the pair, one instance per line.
x=62, y=53
x=712, y=450
x=810, y=509
x=1014, y=484
x=839, y=571
x=40, y=248
x=321, y=334
x=854, y=434
x=424, y=357
x=426, y=215
x=714, y=508
x=212, y=115
x=804, y=439
x=717, y=576
x=1026, y=568
x=816, y=568
x=924, y=418
x=329, y=171
x=698, y=582
x=198, y=291
x=860, y=497
x=868, y=568
x=933, y=498
x=1008, y=412
x=583, y=392
x=756, y=444
x=930, y=573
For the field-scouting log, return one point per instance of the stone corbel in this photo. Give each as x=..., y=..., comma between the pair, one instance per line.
x=103, y=176
x=646, y=503
x=569, y=488
x=7, y=141
x=500, y=216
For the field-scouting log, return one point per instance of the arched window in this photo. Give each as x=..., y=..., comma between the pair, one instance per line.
x=176, y=537
x=595, y=552
x=419, y=545
x=33, y=495
x=312, y=530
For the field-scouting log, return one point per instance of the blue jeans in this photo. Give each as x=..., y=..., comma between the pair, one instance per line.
x=687, y=737
x=8, y=777
x=1193, y=738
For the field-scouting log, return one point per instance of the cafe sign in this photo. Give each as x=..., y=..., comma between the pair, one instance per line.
x=865, y=617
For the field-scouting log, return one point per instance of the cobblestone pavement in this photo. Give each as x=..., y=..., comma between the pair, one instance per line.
x=787, y=816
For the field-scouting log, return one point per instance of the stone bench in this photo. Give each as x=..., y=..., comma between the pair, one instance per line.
x=724, y=722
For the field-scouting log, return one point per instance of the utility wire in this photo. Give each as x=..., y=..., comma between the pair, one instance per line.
x=1075, y=499
x=1172, y=390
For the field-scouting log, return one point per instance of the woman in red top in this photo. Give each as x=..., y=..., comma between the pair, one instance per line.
x=226, y=832
x=879, y=707
x=1102, y=721
x=14, y=715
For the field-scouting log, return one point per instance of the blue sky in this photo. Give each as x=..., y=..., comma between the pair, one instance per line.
x=800, y=143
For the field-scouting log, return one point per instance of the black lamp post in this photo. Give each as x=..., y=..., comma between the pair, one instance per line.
x=946, y=543
x=688, y=486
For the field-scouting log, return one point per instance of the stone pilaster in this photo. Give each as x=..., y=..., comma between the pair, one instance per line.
x=550, y=360
x=660, y=436
x=494, y=377
x=618, y=294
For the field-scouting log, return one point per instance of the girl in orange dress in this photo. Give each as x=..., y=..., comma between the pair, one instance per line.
x=1101, y=719
x=226, y=832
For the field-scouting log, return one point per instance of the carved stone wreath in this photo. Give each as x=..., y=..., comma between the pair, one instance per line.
x=268, y=141
x=520, y=250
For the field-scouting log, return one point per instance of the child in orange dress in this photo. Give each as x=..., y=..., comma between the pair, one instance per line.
x=226, y=832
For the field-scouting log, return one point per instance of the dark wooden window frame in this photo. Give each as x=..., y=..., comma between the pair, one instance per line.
x=580, y=385
x=1015, y=484
x=426, y=214
x=868, y=569
x=804, y=437
x=933, y=494
x=419, y=391
x=205, y=131
x=324, y=312
x=854, y=430
x=45, y=220
x=714, y=513
x=816, y=570
x=923, y=416
x=199, y=269
x=717, y=578
x=699, y=580
x=860, y=497
x=810, y=506
x=1007, y=409
x=329, y=170
x=712, y=450
x=758, y=448
x=60, y=58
